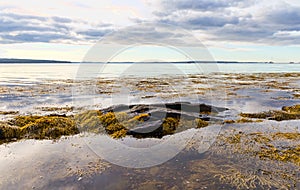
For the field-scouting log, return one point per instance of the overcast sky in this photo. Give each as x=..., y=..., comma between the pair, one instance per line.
x=241, y=30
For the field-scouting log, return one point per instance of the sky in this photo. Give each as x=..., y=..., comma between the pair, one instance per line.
x=139, y=30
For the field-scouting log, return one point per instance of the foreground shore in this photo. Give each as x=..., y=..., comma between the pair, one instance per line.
x=245, y=133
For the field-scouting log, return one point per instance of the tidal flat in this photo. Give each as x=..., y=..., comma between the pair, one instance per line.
x=220, y=131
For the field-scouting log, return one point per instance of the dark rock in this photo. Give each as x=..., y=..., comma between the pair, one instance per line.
x=147, y=129
x=156, y=124
x=116, y=108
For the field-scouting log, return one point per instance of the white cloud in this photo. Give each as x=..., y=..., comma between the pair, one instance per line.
x=65, y=21
x=287, y=34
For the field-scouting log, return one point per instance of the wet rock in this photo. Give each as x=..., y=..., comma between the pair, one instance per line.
x=157, y=120
x=188, y=107
x=150, y=129
x=177, y=106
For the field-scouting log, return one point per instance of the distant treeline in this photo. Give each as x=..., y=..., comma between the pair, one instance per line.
x=30, y=61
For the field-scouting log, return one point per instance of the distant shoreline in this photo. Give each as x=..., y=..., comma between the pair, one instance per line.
x=33, y=61
x=5, y=60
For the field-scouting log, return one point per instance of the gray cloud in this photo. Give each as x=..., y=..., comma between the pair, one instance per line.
x=22, y=17
x=34, y=37
x=221, y=20
x=61, y=19
x=11, y=26
x=196, y=22
x=288, y=16
x=233, y=20
x=152, y=34
x=15, y=28
x=200, y=5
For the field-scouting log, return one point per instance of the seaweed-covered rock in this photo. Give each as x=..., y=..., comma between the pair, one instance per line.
x=157, y=120
x=292, y=109
x=273, y=115
x=49, y=127
x=37, y=127
x=287, y=113
x=140, y=120
x=8, y=132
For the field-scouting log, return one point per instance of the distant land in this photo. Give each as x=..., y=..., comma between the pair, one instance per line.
x=13, y=60
x=6, y=60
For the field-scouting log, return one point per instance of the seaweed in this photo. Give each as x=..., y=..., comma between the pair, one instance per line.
x=292, y=109
x=287, y=113
x=290, y=136
x=266, y=150
x=8, y=112
x=291, y=154
x=169, y=125
x=201, y=123
x=132, y=121
x=38, y=127
x=51, y=127
x=8, y=133
x=89, y=121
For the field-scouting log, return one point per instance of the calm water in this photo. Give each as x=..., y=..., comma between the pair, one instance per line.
x=23, y=78
x=26, y=74
x=81, y=162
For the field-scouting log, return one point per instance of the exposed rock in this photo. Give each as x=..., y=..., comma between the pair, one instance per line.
x=157, y=120
x=141, y=121
x=149, y=129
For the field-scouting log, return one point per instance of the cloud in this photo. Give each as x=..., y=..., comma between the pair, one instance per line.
x=250, y=21
x=288, y=37
x=196, y=20
x=284, y=15
x=202, y=5
x=12, y=16
x=17, y=28
x=61, y=19
x=234, y=20
x=287, y=34
x=33, y=37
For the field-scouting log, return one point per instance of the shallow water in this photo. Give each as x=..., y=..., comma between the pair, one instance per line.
x=193, y=159
x=76, y=162
x=24, y=74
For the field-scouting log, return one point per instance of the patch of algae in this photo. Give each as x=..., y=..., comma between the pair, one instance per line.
x=56, y=108
x=267, y=150
x=290, y=154
x=8, y=112
x=256, y=162
x=49, y=127
x=290, y=136
x=89, y=121
x=8, y=133
x=37, y=127
x=287, y=113
x=172, y=125
x=232, y=175
x=115, y=124
x=169, y=125
x=242, y=120
x=292, y=109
